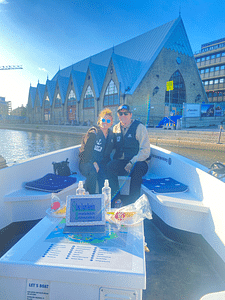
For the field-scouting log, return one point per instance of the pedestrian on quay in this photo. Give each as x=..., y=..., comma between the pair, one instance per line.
x=95, y=151
x=132, y=150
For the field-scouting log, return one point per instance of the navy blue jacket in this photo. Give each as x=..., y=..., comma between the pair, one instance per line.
x=127, y=144
x=95, y=147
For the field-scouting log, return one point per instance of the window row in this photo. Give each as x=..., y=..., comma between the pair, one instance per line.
x=221, y=45
x=208, y=57
x=212, y=69
x=214, y=81
x=216, y=94
x=111, y=97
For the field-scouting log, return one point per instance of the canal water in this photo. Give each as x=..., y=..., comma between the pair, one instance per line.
x=16, y=146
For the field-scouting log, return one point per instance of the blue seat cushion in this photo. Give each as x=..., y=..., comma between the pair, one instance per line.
x=164, y=185
x=51, y=183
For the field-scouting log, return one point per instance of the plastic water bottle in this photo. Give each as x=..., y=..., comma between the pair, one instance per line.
x=80, y=190
x=106, y=190
x=118, y=203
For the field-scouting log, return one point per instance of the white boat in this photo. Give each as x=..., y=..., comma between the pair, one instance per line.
x=186, y=236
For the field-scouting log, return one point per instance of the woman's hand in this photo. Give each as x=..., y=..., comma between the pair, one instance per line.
x=128, y=167
x=96, y=166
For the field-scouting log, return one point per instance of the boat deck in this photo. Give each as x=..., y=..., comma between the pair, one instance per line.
x=175, y=270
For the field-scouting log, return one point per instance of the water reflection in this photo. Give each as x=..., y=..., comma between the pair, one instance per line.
x=20, y=145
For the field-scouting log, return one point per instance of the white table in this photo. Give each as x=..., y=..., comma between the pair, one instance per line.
x=46, y=264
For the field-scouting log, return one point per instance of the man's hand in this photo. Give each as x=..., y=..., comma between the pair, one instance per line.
x=128, y=167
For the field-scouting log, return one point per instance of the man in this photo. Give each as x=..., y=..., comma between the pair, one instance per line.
x=132, y=149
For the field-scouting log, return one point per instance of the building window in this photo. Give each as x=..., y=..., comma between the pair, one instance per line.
x=212, y=69
x=217, y=55
x=206, y=82
x=221, y=80
x=111, y=95
x=222, y=67
x=89, y=98
x=198, y=60
x=198, y=98
x=203, y=58
x=47, y=102
x=212, y=56
x=207, y=57
x=178, y=94
x=217, y=68
x=216, y=81
x=202, y=71
x=210, y=81
x=223, y=54
x=71, y=98
x=210, y=95
x=58, y=101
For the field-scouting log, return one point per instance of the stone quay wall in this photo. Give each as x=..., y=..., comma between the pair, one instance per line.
x=198, y=138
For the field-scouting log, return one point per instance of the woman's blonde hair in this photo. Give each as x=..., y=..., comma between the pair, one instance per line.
x=104, y=112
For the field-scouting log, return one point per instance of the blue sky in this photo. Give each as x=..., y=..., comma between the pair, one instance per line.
x=44, y=35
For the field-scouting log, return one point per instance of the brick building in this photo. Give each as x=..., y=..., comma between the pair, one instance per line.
x=135, y=72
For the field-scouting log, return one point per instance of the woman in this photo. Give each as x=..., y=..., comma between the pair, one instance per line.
x=95, y=151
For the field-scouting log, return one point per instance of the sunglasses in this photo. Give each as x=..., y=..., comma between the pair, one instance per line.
x=123, y=113
x=104, y=120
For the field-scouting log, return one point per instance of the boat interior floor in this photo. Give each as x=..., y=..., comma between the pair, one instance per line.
x=175, y=270
x=12, y=233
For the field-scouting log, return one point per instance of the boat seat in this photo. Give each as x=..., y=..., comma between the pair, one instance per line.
x=24, y=194
x=180, y=200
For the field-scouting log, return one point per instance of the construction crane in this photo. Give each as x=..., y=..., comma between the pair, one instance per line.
x=13, y=67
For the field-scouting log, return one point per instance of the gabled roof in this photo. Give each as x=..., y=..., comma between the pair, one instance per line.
x=166, y=36
x=40, y=92
x=32, y=94
x=178, y=40
x=127, y=71
x=63, y=85
x=133, y=58
x=78, y=81
x=98, y=75
x=51, y=89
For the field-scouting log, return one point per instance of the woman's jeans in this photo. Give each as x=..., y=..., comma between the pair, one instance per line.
x=88, y=170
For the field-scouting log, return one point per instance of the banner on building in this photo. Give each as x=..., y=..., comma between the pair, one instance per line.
x=207, y=110
x=219, y=110
x=191, y=110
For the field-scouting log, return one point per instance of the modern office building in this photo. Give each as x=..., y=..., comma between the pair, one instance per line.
x=211, y=64
x=5, y=107
x=135, y=72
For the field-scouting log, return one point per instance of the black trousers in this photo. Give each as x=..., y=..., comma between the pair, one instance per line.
x=116, y=167
x=88, y=170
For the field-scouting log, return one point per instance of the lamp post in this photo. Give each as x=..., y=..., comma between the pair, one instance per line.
x=149, y=109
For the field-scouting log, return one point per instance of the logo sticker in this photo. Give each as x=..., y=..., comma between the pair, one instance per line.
x=99, y=142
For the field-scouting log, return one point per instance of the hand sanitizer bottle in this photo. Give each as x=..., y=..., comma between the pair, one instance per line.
x=80, y=190
x=106, y=190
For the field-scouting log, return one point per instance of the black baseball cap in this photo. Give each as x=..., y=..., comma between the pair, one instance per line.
x=125, y=107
